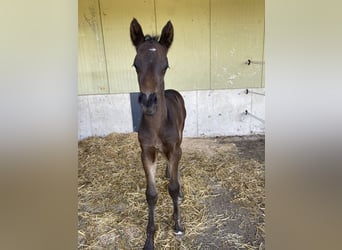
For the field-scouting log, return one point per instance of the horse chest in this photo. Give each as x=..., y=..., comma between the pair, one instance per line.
x=159, y=146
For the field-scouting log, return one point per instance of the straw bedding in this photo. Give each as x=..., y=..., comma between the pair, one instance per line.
x=223, y=205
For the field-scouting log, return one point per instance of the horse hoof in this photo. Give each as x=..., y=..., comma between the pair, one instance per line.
x=149, y=245
x=178, y=230
x=178, y=233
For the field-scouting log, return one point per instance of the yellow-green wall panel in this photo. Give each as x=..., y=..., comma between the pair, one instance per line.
x=212, y=42
x=116, y=18
x=92, y=75
x=189, y=55
x=237, y=34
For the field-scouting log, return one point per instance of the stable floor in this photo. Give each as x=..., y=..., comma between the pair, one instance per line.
x=223, y=183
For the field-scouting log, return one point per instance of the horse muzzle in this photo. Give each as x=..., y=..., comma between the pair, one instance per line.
x=148, y=103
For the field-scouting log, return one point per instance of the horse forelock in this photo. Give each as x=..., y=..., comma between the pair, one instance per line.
x=151, y=38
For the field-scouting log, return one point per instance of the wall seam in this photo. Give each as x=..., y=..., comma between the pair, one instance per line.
x=155, y=17
x=90, y=117
x=197, y=113
x=263, y=57
x=250, y=119
x=104, y=47
x=210, y=56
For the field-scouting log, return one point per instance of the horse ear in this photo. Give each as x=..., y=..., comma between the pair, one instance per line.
x=166, y=37
x=137, y=35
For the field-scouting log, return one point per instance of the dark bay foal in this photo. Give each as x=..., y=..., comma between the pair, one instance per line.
x=162, y=124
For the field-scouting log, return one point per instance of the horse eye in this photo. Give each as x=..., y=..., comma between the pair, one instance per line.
x=136, y=68
x=165, y=68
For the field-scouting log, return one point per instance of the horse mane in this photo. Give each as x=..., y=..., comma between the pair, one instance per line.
x=151, y=38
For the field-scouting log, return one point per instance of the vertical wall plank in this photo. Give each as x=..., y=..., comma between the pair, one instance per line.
x=237, y=34
x=116, y=18
x=92, y=75
x=189, y=56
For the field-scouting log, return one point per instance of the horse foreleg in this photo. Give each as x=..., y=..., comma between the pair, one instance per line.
x=149, y=163
x=167, y=171
x=175, y=189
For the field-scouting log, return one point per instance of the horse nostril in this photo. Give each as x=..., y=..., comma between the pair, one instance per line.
x=141, y=97
x=153, y=98
x=147, y=100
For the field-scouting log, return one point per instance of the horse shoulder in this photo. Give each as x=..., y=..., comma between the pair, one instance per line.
x=176, y=115
x=175, y=103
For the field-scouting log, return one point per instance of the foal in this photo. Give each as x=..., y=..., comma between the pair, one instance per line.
x=162, y=123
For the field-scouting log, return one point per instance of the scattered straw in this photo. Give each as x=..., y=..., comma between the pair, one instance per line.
x=112, y=206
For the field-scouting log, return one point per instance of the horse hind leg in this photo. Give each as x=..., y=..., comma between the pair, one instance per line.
x=168, y=176
x=167, y=171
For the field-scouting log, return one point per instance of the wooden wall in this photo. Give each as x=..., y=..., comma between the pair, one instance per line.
x=213, y=41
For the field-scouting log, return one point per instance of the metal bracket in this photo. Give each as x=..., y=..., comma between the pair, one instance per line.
x=255, y=117
x=249, y=62
x=247, y=91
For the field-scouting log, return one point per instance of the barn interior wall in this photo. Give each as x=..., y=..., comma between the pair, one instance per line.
x=209, y=113
x=213, y=41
